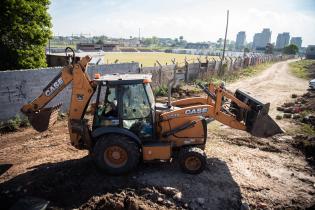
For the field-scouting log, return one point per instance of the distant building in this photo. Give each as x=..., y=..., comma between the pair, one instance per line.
x=240, y=40
x=166, y=41
x=262, y=39
x=282, y=40
x=296, y=41
x=96, y=47
x=310, y=52
x=256, y=40
x=197, y=46
x=133, y=42
x=109, y=47
x=88, y=46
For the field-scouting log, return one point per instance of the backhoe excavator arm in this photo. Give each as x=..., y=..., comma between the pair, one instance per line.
x=82, y=90
x=239, y=111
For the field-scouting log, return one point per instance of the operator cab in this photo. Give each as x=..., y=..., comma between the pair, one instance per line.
x=126, y=101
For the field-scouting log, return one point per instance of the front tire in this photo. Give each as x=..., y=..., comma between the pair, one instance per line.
x=116, y=154
x=192, y=160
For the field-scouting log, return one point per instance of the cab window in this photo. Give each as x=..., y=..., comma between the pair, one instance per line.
x=107, y=111
x=136, y=111
x=135, y=102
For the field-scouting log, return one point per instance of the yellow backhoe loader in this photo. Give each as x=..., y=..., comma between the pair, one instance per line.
x=129, y=126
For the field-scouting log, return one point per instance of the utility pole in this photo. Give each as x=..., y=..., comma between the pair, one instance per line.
x=139, y=37
x=224, y=45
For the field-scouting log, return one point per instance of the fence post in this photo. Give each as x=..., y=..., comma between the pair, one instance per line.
x=160, y=72
x=207, y=66
x=231, y=64
x=199, y=69
x=173, y=61
x=140, y=68
x=187, y=69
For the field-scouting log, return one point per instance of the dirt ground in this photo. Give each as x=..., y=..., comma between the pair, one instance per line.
x=242, y=172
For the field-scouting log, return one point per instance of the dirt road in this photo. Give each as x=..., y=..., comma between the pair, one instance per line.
x=274, y=85
x=242, y=171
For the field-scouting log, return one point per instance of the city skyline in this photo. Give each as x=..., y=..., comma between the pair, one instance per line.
x=195, y=20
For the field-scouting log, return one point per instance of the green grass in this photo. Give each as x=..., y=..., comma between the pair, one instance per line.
x=13, y=124
x=301, y=68
x=240, y=74
x=149, y=59
x=305, y=113
x=307, y=130
x=161, y=91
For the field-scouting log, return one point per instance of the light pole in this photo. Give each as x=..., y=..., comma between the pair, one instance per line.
x=224, y=44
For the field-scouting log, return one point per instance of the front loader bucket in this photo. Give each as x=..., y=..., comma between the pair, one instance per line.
x=259, y=123
x=44, y=118
x=257, y=120
x=265, y=126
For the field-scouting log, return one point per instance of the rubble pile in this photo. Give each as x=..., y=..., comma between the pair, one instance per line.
x=302, y=108
x=140, y=199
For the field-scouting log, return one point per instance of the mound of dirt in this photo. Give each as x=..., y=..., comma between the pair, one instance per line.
x=130, y=199
x=78, y=184
x=307, y=145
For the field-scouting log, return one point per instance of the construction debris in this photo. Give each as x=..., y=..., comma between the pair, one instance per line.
x=302, y=108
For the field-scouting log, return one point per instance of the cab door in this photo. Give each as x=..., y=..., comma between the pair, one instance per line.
x=107, y=113
x=136, y=111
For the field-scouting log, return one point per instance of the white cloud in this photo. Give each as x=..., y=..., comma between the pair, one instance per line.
x=196, y=20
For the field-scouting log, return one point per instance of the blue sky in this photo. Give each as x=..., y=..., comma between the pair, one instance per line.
x=196, y=20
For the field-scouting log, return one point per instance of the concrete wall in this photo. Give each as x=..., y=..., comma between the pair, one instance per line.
x=20, y=87
x=160, y=75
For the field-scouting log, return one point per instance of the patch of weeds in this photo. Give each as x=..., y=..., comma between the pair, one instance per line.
x=305, y=113
x=302, y=68
x=161, y=90
x=230, y=77
x=194, y=90
x=14, y=124
x=307, y=130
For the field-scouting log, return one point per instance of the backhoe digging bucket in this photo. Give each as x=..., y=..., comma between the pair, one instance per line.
x=44, y=118
x=257, y=120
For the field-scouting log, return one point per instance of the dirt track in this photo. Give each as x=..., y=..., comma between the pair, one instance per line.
x=274, y=85
x=242, y=170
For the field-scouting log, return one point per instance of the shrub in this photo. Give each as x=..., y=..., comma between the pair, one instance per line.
x=161, y=90
x=14, y=124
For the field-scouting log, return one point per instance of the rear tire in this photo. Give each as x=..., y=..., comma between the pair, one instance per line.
x=192, y=160
x=116, y=154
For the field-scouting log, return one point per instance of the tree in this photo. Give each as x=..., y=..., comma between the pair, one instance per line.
x=219, y=43
x=246, y=50
x=25, y=27
x=291, y=49
x=155, y=40
x=176, y=41
x=269, y=48
x=230, y=44
x=181, y=39
x=99, y=42
x=147, y=41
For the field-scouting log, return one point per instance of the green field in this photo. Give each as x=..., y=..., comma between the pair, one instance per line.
x=149, y=59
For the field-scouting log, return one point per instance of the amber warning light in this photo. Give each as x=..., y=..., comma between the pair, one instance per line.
x=97, y=76
x=148, y=80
